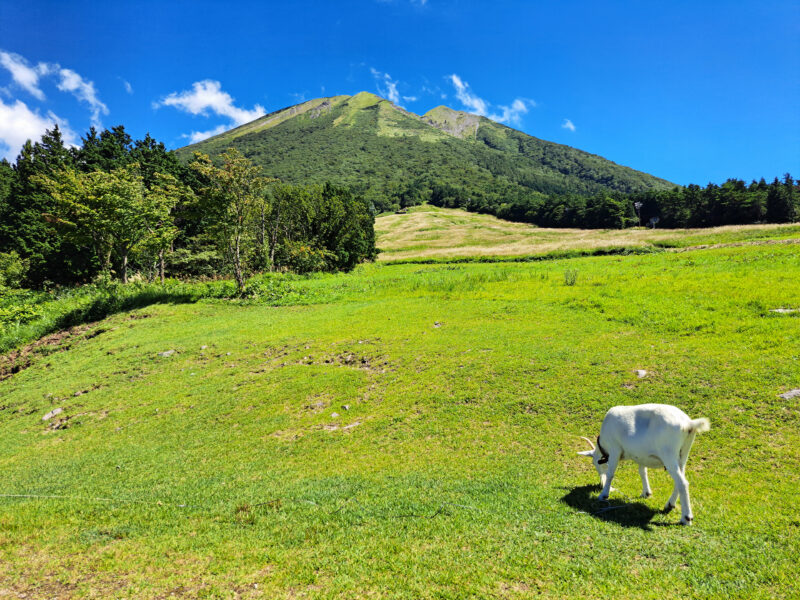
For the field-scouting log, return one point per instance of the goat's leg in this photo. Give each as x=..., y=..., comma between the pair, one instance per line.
x=682, y=459
x=682, y=487
x=613, y=461
x=672, y=499
x=646, y=491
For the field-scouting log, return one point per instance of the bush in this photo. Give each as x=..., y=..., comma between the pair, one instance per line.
x=13, y=269
x=303, y=258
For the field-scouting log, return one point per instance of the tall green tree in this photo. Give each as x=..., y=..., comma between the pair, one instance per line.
x=112, y=211
x=160, y=199
x=780, y=205
x=25, y=227
x=230, y=194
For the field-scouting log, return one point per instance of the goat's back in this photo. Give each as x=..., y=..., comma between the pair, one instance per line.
x=640, y=429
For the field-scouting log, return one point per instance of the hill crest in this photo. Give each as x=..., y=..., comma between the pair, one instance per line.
x=397, y=158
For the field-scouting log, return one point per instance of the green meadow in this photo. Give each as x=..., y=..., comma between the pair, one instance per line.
x=410, y=431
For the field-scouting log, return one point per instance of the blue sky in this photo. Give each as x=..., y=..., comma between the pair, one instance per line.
x=689, y=91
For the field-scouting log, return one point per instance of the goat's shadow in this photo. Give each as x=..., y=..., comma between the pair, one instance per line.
x=625, y=514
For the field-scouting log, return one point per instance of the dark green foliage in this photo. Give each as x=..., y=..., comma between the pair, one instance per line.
x=109, y=150
x=27, y=226
x=319, y=228
x=732, y=203
x=781, y=203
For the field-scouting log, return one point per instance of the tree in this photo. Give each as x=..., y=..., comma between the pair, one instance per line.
x=164, y=193
x=780, y=207
x=107, y=151
x=110, y=210
x=230, y=194
x=24, y=227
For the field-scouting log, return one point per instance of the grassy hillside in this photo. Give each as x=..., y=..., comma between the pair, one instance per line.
x=394, y=156
x=412, y=434
x=439, y=233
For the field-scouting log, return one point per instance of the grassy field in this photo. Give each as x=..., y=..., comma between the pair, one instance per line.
x=431, y=232
x=410, y=431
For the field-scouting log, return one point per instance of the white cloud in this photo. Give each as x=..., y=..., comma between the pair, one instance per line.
x=386, y=86
x=23, y=74
x=513, y=113
x=409, y=98
x=567, y=124
x=467, y=98
x=207, y=95
x=479, y=106
x=128, y=86
x=205, y=98
x=18, y=123
x=199, y=136
x=84, y=91
x=28, y=78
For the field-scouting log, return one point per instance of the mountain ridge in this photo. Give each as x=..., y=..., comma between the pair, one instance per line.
x=396, y=157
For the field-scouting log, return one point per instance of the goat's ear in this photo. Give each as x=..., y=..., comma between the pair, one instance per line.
x=587, y=453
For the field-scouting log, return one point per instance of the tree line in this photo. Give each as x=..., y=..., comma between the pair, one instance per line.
x=732, y=203
x=114, y=206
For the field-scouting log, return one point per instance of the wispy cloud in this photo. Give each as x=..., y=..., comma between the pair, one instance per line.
x=18, y=123
x=23, y=74
x=128, y=86
x=199, y=136
x=467, y=98
x=387, y=87
x=206, y=98
x=28, y=77
x=567, y=124
x=433, y=90
x=84, y=91
x=479, y=106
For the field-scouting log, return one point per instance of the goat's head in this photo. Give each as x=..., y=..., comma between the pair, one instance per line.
x=599, y=459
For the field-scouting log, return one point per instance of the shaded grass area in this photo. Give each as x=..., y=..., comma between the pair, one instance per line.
x=27, y=315
x=412, y=433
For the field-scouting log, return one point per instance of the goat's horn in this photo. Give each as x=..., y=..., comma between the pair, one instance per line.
x=591, y=443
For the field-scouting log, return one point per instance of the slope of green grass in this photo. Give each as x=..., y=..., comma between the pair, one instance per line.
x=412, y=434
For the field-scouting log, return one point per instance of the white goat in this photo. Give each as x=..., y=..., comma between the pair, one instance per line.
x=652, y=435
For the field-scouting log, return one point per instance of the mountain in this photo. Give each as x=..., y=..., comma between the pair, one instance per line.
x=395, y=157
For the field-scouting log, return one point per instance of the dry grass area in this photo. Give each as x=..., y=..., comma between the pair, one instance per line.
x=428, y=231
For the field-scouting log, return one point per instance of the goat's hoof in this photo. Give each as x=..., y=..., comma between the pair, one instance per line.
x=602, y=497
x=646, y=494
x=668, y=507
x=687, y=520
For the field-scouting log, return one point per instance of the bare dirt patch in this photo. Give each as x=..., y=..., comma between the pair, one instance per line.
x=19, y=360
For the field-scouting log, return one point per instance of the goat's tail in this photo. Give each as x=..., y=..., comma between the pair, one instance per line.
x=699, y=425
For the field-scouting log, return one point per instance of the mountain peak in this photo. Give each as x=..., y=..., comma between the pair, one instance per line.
x=461, y=124
x=390, y=155
x=365, y=100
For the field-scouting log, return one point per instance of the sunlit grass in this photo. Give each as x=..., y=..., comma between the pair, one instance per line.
x=431, y=232
x=409, y=431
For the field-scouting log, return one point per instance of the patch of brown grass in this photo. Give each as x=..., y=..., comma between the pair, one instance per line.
x=448, y=232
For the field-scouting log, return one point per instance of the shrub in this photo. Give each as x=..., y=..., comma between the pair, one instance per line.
x=13, y=269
